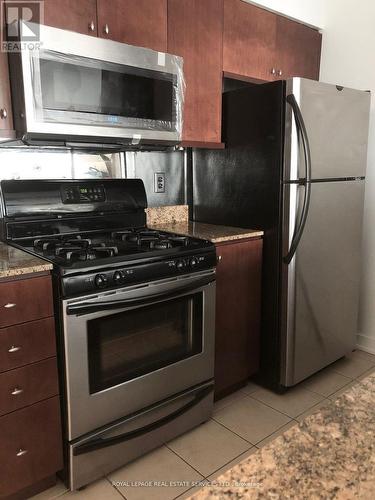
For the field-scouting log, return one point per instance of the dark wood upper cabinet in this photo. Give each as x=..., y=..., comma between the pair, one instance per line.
x=238, y=292
x=195, y=29
x=261, y=45
x=249, y=41
x=6, y=120
x=136, y=22
x=72, y=15
x=298, y=49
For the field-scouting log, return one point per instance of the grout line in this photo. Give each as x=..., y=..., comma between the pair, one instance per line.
x=324, y=396
x=265, y=404
x=272, y=408
x=183, y=459
x=113, y=486
x=232, y=402
x=229, y=461
x=233, y=432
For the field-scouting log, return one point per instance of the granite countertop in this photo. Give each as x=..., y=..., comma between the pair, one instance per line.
x=14, y=262
x=331, y=454
x=211, y=232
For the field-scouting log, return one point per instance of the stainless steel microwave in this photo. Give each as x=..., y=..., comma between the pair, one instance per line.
x=80, y=89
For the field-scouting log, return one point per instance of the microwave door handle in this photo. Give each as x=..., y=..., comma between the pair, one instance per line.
x=98, y=444
x=93, y=307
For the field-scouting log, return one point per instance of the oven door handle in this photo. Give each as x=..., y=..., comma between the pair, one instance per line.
x=98, y=444
x=93, y=307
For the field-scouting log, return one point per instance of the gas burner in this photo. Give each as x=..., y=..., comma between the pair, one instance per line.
x=161, y=244
x=78, y=241
x=70, y=253
x=179, y=240
x=46, y=244
x=103, y=251
x=122, y=235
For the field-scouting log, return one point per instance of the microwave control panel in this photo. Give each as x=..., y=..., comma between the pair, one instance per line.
x=83, y=193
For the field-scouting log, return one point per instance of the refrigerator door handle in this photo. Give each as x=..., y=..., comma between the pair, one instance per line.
x=291, y=100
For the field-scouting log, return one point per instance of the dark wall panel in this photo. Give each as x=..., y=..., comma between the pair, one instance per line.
x=144, y=165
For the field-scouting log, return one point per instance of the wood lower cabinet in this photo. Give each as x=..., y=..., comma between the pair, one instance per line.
x=31, y=447
x=136, y=22
x=238, y=303
x=72, y=15
x=27, y=343
x=249, y=41
x=298, y=49
x=27, y=385
x=195, y=33
x=30, y=425
x=25, y=300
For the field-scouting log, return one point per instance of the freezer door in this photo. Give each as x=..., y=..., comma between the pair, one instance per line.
x=320, y=286
x=337, y=121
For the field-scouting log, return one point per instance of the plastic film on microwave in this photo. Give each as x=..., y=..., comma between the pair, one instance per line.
x=81, y=91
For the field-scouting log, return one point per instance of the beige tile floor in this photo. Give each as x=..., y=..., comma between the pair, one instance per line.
x=241, y=423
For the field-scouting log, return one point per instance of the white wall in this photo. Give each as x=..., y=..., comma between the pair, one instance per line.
x=348, y=59
x=309, y=11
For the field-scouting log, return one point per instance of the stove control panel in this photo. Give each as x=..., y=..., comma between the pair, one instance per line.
x=142, y=273
x=82, y=193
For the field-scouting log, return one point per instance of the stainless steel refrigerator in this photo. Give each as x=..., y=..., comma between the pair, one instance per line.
x=294, y=165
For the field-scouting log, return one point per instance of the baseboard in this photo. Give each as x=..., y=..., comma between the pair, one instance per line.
x=366, y=343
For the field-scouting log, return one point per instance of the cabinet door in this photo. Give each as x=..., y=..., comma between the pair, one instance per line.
x=249, y=41
x=136, y=22
x=71, y=15
x=298, y=49
x=6, y=120
x=238, y=301
x=31, y=446
x=25, y=300
x=195, y=31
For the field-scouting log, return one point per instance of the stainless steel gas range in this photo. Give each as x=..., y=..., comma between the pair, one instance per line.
x=136, y=315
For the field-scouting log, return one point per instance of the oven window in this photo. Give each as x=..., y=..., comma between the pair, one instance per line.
x=95, y=88
x=126, y=345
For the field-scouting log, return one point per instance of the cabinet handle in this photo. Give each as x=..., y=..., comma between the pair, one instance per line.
x=273, y=71
x=106, y=29
x=3, y=113
x=16, y=391
x=9, y=305
x=21, y=452
x=14, y=348
x=219, y=258
x=280, y=73
x=92, y=26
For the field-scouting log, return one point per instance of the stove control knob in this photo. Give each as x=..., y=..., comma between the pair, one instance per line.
x=193, y=262
x=180, y=265
x=118, y=277
x=100, y=280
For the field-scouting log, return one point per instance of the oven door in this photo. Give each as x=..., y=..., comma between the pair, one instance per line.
x=127, y=349
x=78, y=85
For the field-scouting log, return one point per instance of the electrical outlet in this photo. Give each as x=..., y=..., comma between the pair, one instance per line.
x=159, y=182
